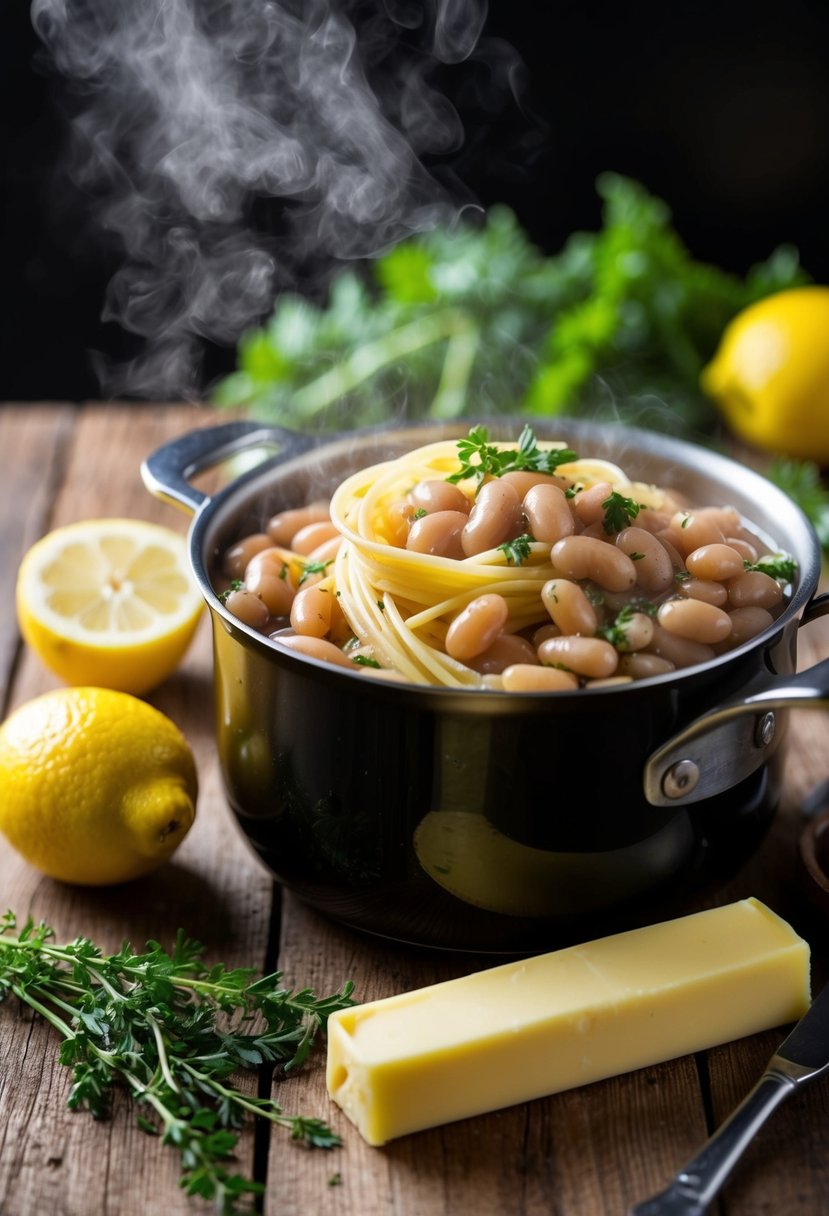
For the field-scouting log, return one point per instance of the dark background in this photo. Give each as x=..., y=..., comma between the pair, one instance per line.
x=720, y=109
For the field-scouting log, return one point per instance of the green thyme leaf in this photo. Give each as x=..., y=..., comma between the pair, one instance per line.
x=310, y=568
x=171, y=1031
x=517, y=551
x=618, y=512
x=780, y=566
x=479, y=458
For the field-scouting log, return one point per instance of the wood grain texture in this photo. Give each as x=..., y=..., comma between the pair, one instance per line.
x=51, y=1159
x=587, y=1152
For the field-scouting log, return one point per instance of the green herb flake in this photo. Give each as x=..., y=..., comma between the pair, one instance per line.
x=381, y=605
x=364, y=660
x=419, y=513
x=682, y=576
x=517, y=551
x=236, y=585
x=636, y=557
x=618, y=512
x=779, y=566
x=310, y=568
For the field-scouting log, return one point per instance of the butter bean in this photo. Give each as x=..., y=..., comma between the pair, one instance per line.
x=578, y=557
x=437, y=495
x=523, y=480
x=682, y=652
x=236, y=558
x=399, y=519
x=746, y=623
x=754, y=589
x=476, y=626
x=438, y=534
x=248, y=608
x=311, y=612
x=506, y=650
x=587, y=505
x=548, y=513
x=641, y=666
x=700, y=589
x=311, y=536
x=523, y=677
x=585, y=656
x=654, y=568
x=568, y=607
x=714, y=563
x=688, y=530
x=314, y=648
x=267, y=575
x=694, y=620
x=496, y=517
x=283, y=527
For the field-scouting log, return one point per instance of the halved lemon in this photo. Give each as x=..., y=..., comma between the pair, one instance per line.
x=109, y=602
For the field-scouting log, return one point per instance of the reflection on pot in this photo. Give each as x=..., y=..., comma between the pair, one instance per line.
x=466, y=855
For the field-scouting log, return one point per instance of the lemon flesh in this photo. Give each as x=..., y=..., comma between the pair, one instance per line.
x=98, y=787
x=109, y=602
x=770, y=374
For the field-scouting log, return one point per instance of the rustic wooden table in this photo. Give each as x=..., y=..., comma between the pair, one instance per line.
x=588, y=1152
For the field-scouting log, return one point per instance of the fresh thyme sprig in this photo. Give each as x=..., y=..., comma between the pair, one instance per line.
x=173, y=1031
x=479, y=458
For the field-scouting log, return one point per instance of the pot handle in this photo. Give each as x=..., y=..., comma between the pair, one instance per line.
x=725, y=745
x=166, y=472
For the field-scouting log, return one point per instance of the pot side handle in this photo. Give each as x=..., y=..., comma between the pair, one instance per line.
x=724, y=746
x=167, y=471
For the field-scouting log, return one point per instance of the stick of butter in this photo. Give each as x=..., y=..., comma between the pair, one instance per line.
x=540, y=1025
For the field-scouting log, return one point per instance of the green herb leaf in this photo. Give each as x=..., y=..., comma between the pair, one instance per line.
x=479, y=458
x=364, y=660
x=309, y=568
x=618, y=512
x=170, y=1030
x=780, y=566
x=236, y=585
x=517, y=551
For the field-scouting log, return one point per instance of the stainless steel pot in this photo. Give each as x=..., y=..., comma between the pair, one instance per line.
x=489, y=821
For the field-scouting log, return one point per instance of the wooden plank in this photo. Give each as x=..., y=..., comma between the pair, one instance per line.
x=51, y=1159
x=33, y=443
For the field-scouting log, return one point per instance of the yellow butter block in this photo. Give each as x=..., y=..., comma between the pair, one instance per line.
x=540, y=1025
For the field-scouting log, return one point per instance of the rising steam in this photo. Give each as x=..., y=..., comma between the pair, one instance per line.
x=188, y=113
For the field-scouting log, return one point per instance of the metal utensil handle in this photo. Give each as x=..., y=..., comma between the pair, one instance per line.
x=166, y=472
x=697, y=1185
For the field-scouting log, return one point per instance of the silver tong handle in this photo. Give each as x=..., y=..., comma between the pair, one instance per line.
x=697, y=1185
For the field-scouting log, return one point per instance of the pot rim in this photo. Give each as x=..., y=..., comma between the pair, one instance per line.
x=684, y=454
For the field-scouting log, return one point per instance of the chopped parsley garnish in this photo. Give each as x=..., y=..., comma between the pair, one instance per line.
x=478, y=457
x=236, y=585
x=419, y=513
x=780, y=566
x=682, y=576
x=572, y=491
x=518, y=550
x=618, y=512
x=616, y=633
x=636, y=557
x=381, y=605
x=310, y=568
x=364, y=660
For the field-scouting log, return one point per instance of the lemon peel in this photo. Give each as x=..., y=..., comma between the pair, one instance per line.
x=98, y=786
x=770, y=374
x=109, y=602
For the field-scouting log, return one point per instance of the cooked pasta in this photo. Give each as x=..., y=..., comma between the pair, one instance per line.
x=538, y=571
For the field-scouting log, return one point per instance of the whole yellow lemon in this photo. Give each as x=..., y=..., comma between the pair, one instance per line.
x=97, y=786
x=770, y=374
